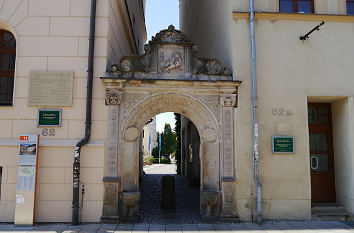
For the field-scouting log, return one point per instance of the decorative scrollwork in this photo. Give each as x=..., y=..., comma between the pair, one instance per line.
x=170, y=35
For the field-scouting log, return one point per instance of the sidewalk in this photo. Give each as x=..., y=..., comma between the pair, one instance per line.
x=267, y=227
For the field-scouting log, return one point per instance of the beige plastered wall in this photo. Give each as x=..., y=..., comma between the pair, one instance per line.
x=53, y=35
x=289, y=72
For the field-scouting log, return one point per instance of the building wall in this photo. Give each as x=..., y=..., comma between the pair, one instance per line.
x=150, y=137
x=290, y=73
x=53, y=35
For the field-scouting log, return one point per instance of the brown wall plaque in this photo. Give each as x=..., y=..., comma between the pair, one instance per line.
x=51, y=89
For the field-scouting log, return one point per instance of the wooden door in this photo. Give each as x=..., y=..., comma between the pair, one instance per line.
x=321, y=153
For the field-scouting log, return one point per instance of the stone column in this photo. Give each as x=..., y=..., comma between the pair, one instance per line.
x=111, y=179
x=228, y=102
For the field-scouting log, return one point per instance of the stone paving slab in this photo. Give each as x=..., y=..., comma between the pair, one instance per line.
x=267, y=227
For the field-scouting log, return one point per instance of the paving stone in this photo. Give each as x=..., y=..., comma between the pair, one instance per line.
x=187, y=198
x=107, y=228
x=157, y=228
x=124, y=228
x=189, y=228
x=175, y=228
x=90, y=228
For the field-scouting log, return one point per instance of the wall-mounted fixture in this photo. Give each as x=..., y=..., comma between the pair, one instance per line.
x=317, y=28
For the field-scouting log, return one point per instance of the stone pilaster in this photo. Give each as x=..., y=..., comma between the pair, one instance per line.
x=111, y=178
x=228, y=102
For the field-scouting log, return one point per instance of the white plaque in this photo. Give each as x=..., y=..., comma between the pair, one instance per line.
x=51, y=89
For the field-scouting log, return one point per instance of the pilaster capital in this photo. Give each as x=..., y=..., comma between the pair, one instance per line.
x=113, y=97
x=228, y=100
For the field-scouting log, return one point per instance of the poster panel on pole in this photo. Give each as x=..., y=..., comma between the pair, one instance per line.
x=26, y=180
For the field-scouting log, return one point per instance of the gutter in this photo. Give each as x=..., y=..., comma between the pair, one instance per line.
x=255, y=117
x=83, y=141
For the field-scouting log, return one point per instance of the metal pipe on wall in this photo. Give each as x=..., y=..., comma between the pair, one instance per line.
x=255, y=117
x=83, y=141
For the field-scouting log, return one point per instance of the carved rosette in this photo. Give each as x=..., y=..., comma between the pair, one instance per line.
x=113, y=97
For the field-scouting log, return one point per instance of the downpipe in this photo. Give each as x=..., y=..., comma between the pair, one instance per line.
x=255, y=117
x=83, y=141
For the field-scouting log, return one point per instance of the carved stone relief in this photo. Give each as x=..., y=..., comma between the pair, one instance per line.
x=209, y=135
x=129, y=205
x=111, y=144
x=113, y=97
x=210, y=203
x=174, y=62
x=158, y=104
x=213, y=103
x=130, y=100
x=131, y=134
x=227, y=128
x=228, y=100
x=229, y=199
x=110, y=201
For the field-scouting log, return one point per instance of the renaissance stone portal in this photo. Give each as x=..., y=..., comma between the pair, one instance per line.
x=170, y=77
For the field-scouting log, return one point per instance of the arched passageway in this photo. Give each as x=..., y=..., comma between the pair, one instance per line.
x=169, y=77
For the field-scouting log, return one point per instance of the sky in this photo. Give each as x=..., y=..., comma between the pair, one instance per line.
x=158, y=16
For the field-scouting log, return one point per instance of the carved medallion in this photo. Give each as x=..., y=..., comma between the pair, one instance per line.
x=131, y=134
x=209, y=135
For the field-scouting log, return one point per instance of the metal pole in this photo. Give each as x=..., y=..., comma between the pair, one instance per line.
x=159, y=148
x=255, y=117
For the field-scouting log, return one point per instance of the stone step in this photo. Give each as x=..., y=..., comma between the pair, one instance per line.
x=332, y=218
x=330, y=212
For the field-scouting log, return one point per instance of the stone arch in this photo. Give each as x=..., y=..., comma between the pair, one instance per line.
x=186, y=105
x=5, y=26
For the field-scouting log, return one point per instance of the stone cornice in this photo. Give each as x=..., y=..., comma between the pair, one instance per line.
x=295, y=17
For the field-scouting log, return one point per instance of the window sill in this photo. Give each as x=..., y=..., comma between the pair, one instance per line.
x=295, y=17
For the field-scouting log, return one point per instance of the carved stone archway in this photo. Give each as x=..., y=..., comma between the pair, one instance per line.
x=169, y=77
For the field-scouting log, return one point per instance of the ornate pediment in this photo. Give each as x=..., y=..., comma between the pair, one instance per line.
x=170, y=55
x=171, y=35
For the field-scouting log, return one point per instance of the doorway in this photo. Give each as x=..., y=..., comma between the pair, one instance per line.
x=181, y=204
x=321, y=153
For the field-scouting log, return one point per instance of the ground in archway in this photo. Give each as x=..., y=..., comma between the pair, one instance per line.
x=187, y=198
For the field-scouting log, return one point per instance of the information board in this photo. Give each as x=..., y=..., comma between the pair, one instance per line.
x=283, y=144
x=49, y=117
x=26, y=180
x=51, y=89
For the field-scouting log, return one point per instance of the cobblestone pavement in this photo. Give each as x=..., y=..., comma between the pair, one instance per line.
x=187, y=198
x=267, y=227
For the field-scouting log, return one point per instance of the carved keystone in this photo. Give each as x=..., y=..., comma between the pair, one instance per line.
x=129, y=205
x=131, y=134
x=210, y=201
x=209, y=135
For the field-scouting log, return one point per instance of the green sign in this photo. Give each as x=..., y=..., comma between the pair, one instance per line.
x=49, y=117
x=283, y=144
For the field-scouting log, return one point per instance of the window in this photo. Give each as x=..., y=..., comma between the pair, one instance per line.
x=299, y=6
x=350, y=7
x=7, y=67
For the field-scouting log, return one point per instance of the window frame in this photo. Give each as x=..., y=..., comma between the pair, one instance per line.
x=8, y=74
x=346, y=6
x=295, y=7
